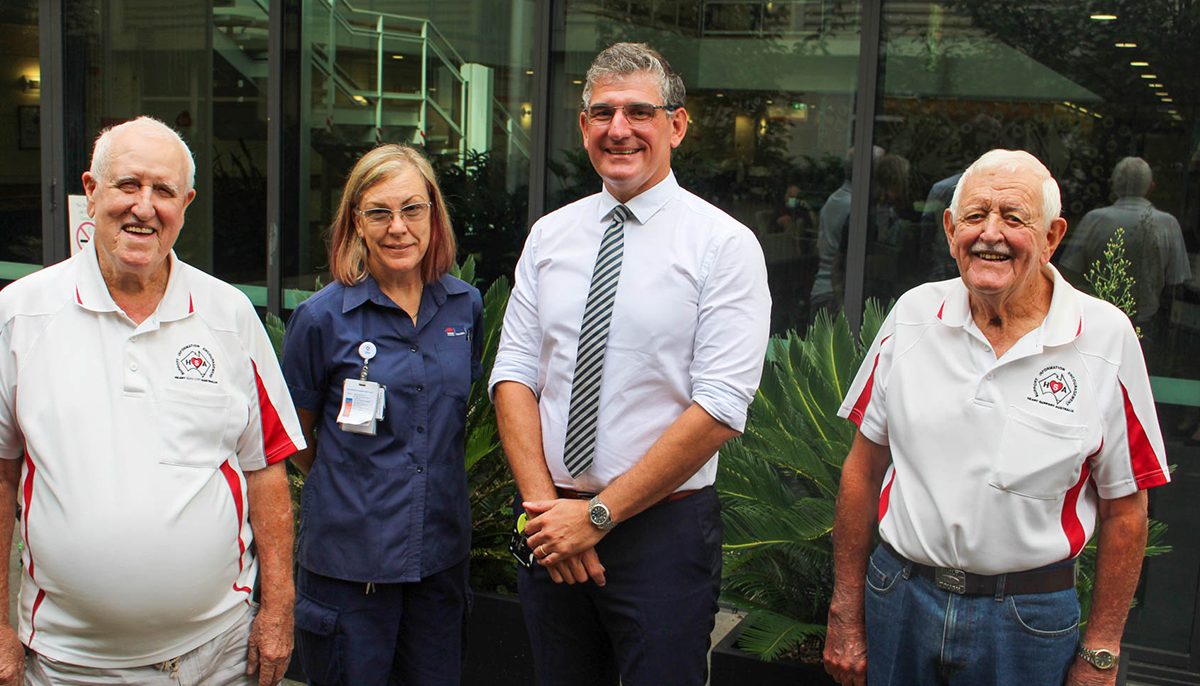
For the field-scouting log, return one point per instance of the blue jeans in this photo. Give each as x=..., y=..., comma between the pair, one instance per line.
x=920, y=634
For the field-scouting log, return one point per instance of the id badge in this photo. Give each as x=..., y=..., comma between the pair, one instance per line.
x=362, y=406
x=518, y=545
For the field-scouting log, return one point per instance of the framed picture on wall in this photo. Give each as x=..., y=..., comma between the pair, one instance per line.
x=29, y=127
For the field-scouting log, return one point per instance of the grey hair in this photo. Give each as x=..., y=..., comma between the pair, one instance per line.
x=623, y=59
x=1011, y=161
x=1131, y=178
x=102, y=151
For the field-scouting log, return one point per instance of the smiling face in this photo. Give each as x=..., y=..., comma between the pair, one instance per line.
x=395, y=250
x=139, y=202
x=632, y=158
x=1000, y=241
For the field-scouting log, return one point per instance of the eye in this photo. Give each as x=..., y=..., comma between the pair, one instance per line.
x=164, y=191
x=416, y=210
x=600, y=114
x=974, y=217
x=378, y=215
x=1014, y=221
x=639, y=112
x=129, y=186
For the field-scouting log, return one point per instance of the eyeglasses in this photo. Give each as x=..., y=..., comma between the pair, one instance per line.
x=380, y=217
x=635, y=112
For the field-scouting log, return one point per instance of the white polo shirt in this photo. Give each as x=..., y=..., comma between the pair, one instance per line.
x=998, y=465
x=135, y=440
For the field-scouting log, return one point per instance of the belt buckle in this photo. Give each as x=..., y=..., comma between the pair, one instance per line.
x=950, y=580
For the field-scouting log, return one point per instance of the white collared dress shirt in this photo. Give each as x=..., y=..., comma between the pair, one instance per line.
x=690, y=324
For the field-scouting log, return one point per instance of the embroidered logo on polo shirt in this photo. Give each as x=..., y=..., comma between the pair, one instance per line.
x=195, y=363
x=456, y=331
x=1056, y=387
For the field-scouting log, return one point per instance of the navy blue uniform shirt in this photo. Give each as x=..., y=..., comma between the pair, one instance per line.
x=389, y=508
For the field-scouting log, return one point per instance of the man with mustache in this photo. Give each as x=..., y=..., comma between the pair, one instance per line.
x=633, y=344
x=144, y=422
x=1002, y=416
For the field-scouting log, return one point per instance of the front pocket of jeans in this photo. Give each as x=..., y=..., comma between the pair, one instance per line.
x=879, y=580
x=1046, y=614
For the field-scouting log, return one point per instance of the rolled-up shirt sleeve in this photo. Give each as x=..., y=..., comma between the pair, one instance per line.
x=732, y=329
x=521, y=335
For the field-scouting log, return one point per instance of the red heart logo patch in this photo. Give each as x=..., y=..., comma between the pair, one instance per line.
x=1056, y=386
x=196, y=362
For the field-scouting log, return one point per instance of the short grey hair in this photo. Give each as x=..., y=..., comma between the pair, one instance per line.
x=1012, y=161
x=623, y=59
x=1131, y=178
x=102, y=151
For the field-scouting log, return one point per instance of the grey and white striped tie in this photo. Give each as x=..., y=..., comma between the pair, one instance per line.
x=593, y=335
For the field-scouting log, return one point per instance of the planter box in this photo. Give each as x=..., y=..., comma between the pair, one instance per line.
x=497, y=650
x=732, y=667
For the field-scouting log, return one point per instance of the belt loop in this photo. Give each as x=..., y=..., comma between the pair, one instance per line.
x=1000, y=578
x=907, y=569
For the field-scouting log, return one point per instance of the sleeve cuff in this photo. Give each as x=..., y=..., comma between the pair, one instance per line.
x=522, y=371
x=725, y=406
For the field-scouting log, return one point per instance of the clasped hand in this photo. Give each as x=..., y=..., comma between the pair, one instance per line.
x=563, y=540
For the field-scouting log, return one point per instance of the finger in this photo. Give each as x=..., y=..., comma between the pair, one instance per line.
x=252, y=657
x=595, y=570
x=270, y=674
x=555, y=576
x=534, y=508
x=577, y=568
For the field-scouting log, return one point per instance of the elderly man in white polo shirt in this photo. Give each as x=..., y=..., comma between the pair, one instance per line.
x=1001, y=416
x=143, y=427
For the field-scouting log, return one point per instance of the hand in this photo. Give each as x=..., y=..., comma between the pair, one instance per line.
x=846, y=650
x=578, y=569
x=12, y=657
x=559, y=529
x=1084, y=674
x=270, y=645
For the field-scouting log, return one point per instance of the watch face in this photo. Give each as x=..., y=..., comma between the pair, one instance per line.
x=1104, y=659
x=599, y=515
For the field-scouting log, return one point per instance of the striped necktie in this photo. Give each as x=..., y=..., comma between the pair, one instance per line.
x=593, y=335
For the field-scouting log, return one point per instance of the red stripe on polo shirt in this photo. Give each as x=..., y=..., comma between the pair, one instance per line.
x=277, y=444
x=190, y=308
x=235, y=490
x=1080, y=329
x=1071, y=526
x=37, y=602
x=864, y=399
x=885, y=497
x=78, y=299
x=941, y=309
x=27, y=494
x=1147, y=470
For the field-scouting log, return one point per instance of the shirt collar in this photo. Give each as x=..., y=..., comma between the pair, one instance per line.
x=644, y=205
x=1064, y=319
x=368, y=289
x=91, y=293
x=1132, y=201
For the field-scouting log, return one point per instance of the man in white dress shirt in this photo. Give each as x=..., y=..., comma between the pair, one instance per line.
x=626, y=532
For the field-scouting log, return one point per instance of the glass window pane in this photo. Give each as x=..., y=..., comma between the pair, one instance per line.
x=20, y=136
x=1113, y=116
x=457, y=81
x=771, y=89
x=202, y=69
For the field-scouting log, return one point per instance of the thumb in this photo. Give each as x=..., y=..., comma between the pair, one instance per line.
x=537, y=507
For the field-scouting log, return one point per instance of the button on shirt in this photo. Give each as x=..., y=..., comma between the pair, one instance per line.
x=689, y=324
x=998, y=465
x=388, y=508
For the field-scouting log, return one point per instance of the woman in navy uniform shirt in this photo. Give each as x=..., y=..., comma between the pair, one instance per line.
x=380, y=364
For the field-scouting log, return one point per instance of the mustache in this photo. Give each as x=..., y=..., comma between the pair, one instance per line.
x=997, y=248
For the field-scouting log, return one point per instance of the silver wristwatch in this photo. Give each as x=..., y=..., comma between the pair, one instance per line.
x=599, y=515
x=1098, y=658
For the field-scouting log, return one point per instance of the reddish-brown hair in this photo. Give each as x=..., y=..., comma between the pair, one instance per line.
x=348, y=253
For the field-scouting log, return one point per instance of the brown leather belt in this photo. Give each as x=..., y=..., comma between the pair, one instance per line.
x=585, y=495
x=1050, y=579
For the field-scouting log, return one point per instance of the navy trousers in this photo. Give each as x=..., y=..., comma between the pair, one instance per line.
x=396, y=635
x=650, y=624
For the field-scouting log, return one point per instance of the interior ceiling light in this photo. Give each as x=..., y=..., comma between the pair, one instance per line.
x=1125, y=45
x=1139, y=63
x=1163, y=94
x=397, y=57
x=529, y=72
x=1155, y=85
x=1168, y=99
x=1149, y=76
x=1100, y=16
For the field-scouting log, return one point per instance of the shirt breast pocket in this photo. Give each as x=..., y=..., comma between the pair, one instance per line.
x=1039, y=458
x=195, y=430
x=454, y=361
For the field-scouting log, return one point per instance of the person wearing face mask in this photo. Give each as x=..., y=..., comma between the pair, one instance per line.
x=380, y=364
x=1003, y=419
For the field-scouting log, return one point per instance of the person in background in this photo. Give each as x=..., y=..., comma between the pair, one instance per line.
x=143, y=428
x=380, y=365
x=1003, y=418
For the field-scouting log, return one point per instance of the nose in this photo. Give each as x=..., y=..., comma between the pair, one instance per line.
x=993, y=227
x=619, y=126
x=143, y=204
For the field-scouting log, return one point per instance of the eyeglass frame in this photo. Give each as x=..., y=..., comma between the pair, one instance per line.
x=428, y=205
x=669, y=109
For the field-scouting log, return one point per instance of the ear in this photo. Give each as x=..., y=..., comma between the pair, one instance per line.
x=89, y=189
x=679, y=125
x=1054, y=236
x=948, y=226
x=583, y=129
x=189, y=197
